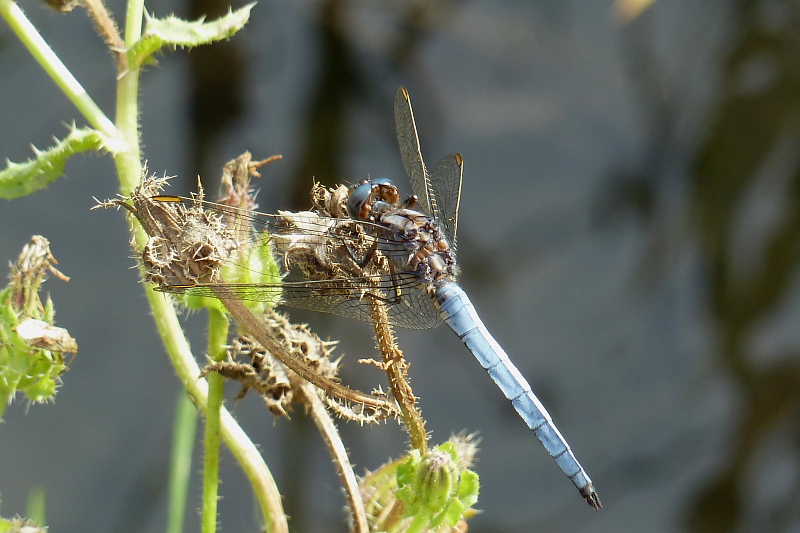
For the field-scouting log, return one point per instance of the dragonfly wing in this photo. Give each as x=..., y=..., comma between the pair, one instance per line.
x=293, y=231
x=439, y=193
x=415, y=310
x=445, y=180
x=407, y=303
x=408, y=306
x=331, y=262
x=248, y=292
x=408, y=140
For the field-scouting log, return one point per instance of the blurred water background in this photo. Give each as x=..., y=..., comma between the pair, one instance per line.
x=629, y=231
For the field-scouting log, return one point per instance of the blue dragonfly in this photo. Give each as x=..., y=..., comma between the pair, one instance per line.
x=370, y=246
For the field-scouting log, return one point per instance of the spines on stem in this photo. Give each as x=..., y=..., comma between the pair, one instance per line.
x=176, y=32
x=22, y=179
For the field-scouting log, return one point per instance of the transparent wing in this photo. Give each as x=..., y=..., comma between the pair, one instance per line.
x=298, y=229
x=327, y=250
x=445, y=181
x=408, y=306
x=439, y=192
x=408, y=140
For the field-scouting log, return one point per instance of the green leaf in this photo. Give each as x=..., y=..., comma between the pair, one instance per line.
x=173, y=31
x=468, y=488
x=22, y=179
x=451, y=514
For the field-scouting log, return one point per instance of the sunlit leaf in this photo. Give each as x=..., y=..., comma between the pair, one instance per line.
x=22, y=179
x=175, y=32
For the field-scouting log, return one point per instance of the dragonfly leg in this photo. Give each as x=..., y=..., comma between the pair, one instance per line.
x=395, y=286
x=387, y=300
x=394, y=294
x=367, y=258
x=353, y=255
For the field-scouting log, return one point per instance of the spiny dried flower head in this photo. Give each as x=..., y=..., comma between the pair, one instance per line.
x=32, y=348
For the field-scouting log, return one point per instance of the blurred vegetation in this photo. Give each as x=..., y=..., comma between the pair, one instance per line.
x=744, y=154
x=754, y=120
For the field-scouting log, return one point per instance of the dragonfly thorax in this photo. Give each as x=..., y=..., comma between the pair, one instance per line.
x=429, y=254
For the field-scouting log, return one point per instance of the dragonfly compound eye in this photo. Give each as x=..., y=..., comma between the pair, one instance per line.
x=358, y=202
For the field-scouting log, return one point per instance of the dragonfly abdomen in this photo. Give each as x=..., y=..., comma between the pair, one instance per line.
x=457, y=310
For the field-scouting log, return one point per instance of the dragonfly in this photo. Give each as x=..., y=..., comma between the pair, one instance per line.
x=370, y=246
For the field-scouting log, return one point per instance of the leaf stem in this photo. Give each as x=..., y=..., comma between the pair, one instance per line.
x=333, y=441
x=129, y=165
x=52, y=65
x=133, y=22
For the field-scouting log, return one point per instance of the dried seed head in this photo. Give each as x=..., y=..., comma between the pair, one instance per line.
x=257, y=369
x=33, y=348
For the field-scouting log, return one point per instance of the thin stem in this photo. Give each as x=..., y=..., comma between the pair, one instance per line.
x=183, y=436
x=52, y=65
x=133, y=22
x=37, y=506
x=396, y=369
x=333, y=441
x=259, y=331
x=106, y=26
x=129, y=165
x=218, y=326
x=240, y=445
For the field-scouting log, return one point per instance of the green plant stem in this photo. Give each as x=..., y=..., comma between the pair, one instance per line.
x=180, y=467
x=52, y=65
x=37, y=506
x=134, y=16
x=240, y=445
x=123, y=141
x=218, y=326
x=130, y=171
x=129, y=166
